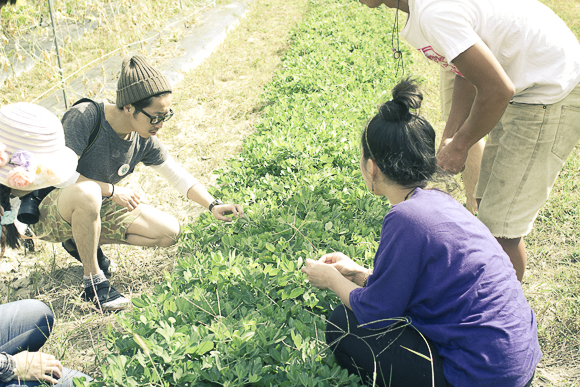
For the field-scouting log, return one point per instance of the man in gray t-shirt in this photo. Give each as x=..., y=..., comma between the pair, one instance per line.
x=115, y=157
x=110, y=141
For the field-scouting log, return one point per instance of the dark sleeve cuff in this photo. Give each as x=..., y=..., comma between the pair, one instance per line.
x=7, y=367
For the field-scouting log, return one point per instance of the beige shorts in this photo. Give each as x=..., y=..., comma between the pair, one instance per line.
x=115, y=220
x=522, y=158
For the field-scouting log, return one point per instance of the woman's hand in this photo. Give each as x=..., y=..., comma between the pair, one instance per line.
x=320, y=274
x=347, y=267
x=220, y=211
x=325, y=274
x=38, y=366
x=126, y=197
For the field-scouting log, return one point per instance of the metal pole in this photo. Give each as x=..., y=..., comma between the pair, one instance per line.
x=57, y=54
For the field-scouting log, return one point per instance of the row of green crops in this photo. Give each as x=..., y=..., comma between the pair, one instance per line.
x=237, y=310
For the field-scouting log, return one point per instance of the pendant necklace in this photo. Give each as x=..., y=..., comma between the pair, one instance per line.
x=397, y=54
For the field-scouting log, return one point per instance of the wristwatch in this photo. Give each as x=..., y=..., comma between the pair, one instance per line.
x=216, y=202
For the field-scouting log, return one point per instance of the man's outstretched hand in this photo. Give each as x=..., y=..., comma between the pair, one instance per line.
x=220, y=211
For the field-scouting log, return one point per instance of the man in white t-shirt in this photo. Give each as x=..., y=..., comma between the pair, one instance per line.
x=517, y=74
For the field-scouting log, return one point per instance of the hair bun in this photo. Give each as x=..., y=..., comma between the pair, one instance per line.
x=393, y=111
x=401, y=142
x=408, y=93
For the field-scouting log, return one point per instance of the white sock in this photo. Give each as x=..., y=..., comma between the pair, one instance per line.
x=94, y=279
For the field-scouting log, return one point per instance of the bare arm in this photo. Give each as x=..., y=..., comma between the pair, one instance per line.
x=326, y=276
x=494, y=90
x=188, y=185
x=106, y=188
x=199, y=194
x=463, y=96
x=342, y=288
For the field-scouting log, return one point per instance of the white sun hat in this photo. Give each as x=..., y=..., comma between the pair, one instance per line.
x=33, y=154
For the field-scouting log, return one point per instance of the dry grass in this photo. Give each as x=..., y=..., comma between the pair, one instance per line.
x=120, y=25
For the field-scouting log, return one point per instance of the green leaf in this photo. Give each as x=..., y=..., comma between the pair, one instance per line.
x=138, y=303
x=248, y=335
x=296, y=292
x=204, y=347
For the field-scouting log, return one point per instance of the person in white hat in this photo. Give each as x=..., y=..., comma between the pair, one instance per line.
x=33, y=156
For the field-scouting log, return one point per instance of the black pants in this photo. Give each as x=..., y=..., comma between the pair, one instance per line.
x=391, y=351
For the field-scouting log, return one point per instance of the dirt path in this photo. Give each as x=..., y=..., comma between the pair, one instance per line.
x=216, y=107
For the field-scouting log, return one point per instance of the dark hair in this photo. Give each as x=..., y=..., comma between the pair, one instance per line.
x=401, y=142
x=4, y=2
x=146, y=102
x=10, y=234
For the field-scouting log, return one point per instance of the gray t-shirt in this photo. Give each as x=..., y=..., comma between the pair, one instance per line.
x=110, y=158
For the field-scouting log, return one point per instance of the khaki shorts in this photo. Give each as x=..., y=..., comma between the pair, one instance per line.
x=115, y=220
x=522, y=158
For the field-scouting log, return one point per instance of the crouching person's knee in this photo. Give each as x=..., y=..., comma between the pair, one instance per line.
x=171, y=234
x=89, y=190
x=82, y=198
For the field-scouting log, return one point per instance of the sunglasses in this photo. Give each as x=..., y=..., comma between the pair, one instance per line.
x=156, y=119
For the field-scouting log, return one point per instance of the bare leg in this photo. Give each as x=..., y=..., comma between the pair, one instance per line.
x=516, y=250
x=152, y=227
x=471, y=174
x=80, y=205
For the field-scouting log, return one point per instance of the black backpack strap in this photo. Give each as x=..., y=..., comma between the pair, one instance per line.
x=97, y=128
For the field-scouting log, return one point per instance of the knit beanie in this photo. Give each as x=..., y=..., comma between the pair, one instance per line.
x=139, y=80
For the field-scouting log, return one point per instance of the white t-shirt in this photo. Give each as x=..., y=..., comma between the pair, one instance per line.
x=534, y=46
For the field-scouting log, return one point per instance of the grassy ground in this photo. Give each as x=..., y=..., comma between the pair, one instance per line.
x=217, y=106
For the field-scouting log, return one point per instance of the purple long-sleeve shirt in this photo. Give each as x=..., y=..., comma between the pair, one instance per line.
x=439, y=265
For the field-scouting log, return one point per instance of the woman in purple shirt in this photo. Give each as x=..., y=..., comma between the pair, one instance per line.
x=442, y=305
